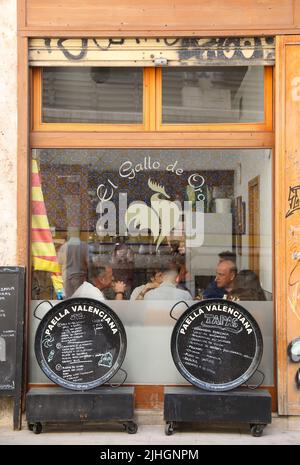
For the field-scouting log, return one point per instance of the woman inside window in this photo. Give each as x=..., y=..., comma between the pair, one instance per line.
x=246, y=286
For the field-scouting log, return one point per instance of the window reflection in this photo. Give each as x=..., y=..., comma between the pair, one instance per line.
x=151, y=224
x=213, y=94
x=92, y=95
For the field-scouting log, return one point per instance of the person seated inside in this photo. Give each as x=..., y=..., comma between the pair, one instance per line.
x=178, y=264
x=246, y=286
x=178, y=248
x=223, y=283
x=101, y=278
x=168, y=289
x=155, y=280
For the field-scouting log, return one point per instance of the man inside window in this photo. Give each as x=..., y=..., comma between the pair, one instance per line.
x=223, y=283
x=101, y=278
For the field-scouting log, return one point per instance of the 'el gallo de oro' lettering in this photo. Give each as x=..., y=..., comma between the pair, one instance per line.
x=81, y=308
x=231, y=320
x=162, y=214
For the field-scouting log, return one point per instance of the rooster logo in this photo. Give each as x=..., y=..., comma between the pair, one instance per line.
x=160, y=218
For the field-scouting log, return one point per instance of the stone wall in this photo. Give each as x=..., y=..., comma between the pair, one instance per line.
x=8, y=150
x=8, y=132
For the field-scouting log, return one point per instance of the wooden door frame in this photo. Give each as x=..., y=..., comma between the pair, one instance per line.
x=284, y=170
x=253, y=242
x=28, y=140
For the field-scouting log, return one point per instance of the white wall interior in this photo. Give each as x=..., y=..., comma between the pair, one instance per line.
x=258, y=163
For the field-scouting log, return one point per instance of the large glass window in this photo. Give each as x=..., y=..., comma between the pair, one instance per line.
x=153, y=225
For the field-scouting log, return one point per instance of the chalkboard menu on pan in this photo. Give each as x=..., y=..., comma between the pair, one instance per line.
x=80, y=343
x=12, y=282
x=216, y=345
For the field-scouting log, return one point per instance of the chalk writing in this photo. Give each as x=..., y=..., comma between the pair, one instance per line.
x=80, y=353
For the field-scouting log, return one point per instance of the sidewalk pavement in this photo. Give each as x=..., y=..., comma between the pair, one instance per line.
x=285, y=431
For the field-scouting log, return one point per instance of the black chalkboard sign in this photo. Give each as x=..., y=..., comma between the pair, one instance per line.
x=216, y=345
x=12, y=290
x=80, y=343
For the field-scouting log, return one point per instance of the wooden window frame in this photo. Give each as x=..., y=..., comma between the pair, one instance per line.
x=152, y=111
x=265, y=125
x=216, y=137
x=37, y=123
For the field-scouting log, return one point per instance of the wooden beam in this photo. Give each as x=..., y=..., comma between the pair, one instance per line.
x=296, y=19
x=152, y=139
x=160, y=15
x=21, y=14
x=133, y=33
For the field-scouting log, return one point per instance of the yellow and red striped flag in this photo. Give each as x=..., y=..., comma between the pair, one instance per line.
x=44, y=256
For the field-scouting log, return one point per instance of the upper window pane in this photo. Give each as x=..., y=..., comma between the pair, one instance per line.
x=92, y=95
x=213, y=94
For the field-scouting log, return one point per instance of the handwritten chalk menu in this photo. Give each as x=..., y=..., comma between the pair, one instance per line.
x=80, y=343
x=11, y=328
x=216, y=345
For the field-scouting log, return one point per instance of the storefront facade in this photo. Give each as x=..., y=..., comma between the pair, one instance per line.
x=124, y=105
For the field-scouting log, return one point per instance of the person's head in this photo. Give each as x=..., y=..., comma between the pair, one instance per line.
x=170, y=273
x=178, y=267
x=156, y=276
x=178, y=247
x=174, y=247
x=225, y=274
x=73, y=231
x=227, y=255
x=101, y=276
x=246, y=286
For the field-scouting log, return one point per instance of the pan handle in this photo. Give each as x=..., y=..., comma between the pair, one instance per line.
x=177, y=303
x=43, y=301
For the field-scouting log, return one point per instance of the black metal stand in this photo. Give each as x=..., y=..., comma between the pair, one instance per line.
x=242, y=405
x=59, y=405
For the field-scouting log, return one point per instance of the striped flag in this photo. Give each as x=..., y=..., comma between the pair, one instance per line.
x=44, y=256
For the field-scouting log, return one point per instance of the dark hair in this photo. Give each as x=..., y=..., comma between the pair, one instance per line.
x=175, y=246
x=227, y=255
x=96, y=270
x=173, y=265
x=154, y=272
x=246, y=286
